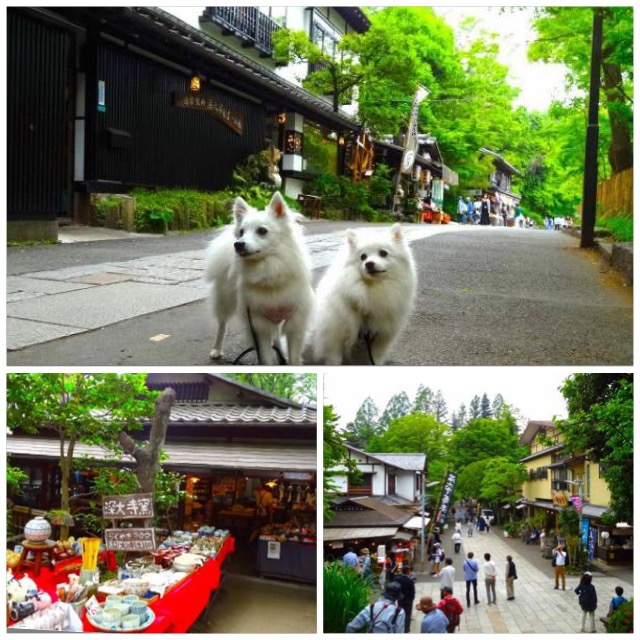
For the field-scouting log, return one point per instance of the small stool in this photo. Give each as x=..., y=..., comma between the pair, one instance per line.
x=38, y=549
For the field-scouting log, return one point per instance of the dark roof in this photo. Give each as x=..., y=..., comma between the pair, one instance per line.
x=532, y=428
x=246, y=72
x=372, y=513
x=543, y=452
x=354, y=17
x=500, y=161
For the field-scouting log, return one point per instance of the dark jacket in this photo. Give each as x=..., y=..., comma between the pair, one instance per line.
x=511, y=569
x=587, y=597
x=408, y=587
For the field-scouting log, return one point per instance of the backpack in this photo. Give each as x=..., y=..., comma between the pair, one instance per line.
x=389, y=627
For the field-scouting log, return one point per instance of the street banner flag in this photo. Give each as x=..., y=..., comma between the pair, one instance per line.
x=445, y=500
x=411, y=141
x=577, y=503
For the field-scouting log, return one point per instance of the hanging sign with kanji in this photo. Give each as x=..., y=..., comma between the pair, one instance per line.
x=133, y=506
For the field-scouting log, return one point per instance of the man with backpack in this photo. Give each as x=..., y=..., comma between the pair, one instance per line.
x=452, y=608
x=383, y=616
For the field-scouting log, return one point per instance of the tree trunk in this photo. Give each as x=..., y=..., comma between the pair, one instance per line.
x=148, y=457
x=66, y=463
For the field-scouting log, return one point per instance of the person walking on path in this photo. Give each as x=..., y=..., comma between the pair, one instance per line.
x=471, y=569
x=434, y=620
x=383, y=616
x=588, y=599
x=470, y=527
x=510, y=576
x=490, y=577
x=408, y=587
x=365, y=563
x=452, y=608
x=484, y=211
x=559, y=562
x=456, y=538
x=447, y=577
x=437, y=558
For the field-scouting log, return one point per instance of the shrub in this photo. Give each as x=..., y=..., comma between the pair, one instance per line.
x=621, y=620
x=345, y=595
x=620, y=227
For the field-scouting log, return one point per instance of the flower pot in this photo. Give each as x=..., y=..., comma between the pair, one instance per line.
x=37, y=530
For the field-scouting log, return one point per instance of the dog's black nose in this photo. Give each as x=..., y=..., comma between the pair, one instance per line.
x=370, y=266
x=240, y=246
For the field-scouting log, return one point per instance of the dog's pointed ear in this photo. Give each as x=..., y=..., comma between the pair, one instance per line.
x=351, y=239
x=277, y=206
x=396, y=233
x=240, y=209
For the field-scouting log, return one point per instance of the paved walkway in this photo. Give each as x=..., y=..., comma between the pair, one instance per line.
x=47, y=305
x=538, y=607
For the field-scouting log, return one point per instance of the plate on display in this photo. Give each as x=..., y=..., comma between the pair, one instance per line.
x=111, y=629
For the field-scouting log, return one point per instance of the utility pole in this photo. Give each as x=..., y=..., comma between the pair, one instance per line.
x=590, y=182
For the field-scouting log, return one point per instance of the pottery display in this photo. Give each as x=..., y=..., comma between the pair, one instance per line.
x=37, y=530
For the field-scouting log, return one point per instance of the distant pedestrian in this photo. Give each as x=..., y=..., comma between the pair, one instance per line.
x=462, y=211
x=452, y=608
x=408, y=586
x=383, y=616
x=447, y=577
x=434, y=620
x=559, y=561
x=456, y=538
x=458, y=526
x=510, y=576
x=487, y=522
x=588, y=599
x=471, y=211
x=365, y=563
x=471, y=569
x=490, y=577
x=470, y=527
x=350, y=559
x=484, y=211
x=437, y=559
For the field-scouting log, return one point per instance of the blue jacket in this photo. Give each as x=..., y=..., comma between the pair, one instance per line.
x=471, y=569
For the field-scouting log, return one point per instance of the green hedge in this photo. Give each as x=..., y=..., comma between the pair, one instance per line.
x=346, y=593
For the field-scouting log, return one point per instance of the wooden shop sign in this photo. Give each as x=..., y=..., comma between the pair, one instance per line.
x=211, y=106
x=132, y=506
x=130, y=539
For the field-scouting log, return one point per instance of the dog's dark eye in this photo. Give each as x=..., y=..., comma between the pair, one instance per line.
x=240, y=233
x=363, y=256
x=262, y=231
x=383, y=253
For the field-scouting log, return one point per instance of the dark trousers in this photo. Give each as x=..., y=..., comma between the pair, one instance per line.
x=475, y=591
x=408, y=611
x=456, y=547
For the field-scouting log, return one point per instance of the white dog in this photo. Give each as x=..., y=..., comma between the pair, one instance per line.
x=366, y=296
x=260, y=267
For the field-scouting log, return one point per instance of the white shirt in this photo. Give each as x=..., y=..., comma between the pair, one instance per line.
x=447, y=576
x=456, y=537
x=561, y=558
x=489, y=569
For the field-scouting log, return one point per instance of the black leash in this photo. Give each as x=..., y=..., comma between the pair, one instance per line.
x=368, y=339
x=281, y=359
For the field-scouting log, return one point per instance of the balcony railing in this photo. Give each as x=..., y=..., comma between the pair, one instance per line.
x=560, y=485
x=249, y=24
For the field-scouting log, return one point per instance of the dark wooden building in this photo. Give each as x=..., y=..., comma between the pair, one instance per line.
x=100, y=100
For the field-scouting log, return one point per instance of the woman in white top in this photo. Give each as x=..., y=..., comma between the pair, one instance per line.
x=490, y=577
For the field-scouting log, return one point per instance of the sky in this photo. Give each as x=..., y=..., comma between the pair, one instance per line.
x=539, y=83
x=531, y=390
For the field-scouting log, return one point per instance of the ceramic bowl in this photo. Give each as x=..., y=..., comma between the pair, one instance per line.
x=131, y=621
x=135, y=586
x=112, y=617
x=140, y=609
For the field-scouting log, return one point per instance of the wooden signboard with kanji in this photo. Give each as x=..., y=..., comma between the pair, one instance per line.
x=137, y=506
x=130, y=539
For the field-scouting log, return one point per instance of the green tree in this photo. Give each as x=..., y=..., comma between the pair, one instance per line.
x=600, y=424
x=423, y=402
x=415, y=433
x=398, y=406
x=299, y=387
x=501, y=481
x=483, y=438
x=462, y=414
x=335, y=459
x=469, y=480
x=485, y=407
x=497, y=405
x=565, y=37
x=439, y=406
x=365, y=425
x=474, y=408
x=77, y=408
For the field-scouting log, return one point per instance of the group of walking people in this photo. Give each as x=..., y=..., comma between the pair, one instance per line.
x=481, y=211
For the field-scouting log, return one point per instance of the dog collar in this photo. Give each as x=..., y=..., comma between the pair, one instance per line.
x=277, y=314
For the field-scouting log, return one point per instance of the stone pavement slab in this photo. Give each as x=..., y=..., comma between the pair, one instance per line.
x=21, y=288
x=100, y=306
x=22, y=333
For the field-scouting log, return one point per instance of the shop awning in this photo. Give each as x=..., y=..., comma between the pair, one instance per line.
x=416, y=523
x=403, y=535
x=520, y=506
x=207, y=454
x=355, y=533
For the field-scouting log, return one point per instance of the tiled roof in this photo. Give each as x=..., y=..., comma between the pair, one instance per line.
x=233, y=414
x=227, y=455
x=375, y=514
x=406, y=461
x=332, y=534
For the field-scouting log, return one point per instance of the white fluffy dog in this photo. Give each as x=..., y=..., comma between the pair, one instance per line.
x=366, y=296
x=259, y=266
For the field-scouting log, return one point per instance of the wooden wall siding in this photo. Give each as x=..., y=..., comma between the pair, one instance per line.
x=37, y=119
x=169, y=146
x=615, y=195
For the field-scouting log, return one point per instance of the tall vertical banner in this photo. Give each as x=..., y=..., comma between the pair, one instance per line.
x=411, y=141
x=445, y=499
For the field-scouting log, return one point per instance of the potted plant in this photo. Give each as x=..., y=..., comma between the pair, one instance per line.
x=60, y=517
x=510, y=529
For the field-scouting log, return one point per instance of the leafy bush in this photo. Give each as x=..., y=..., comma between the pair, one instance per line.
x=621, y=620
x=620, y=227
x=345, y=595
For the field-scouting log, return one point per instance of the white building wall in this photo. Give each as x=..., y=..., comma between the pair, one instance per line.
x=378, y=484
x=405, y=484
